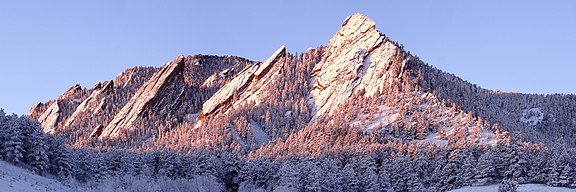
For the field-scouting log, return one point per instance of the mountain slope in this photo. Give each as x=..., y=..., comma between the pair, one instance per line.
x=361, y=77
x=16, y=179
x=162, y=84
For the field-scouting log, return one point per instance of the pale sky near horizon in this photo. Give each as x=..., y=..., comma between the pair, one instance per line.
x=48, y=46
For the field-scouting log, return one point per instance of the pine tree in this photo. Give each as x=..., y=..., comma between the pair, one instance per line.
x=350, y=179
x=565, y=177
x=13, y=147
x=38, y=153
x=508, y=185
x=58, y=158
x=313, y=180
x=485, y=171
x=288, y=176
x=384, y=180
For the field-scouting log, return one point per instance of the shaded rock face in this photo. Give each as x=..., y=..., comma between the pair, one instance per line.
x=357, y=58
x=151, y=94
x=97, y=131
x=250, y=78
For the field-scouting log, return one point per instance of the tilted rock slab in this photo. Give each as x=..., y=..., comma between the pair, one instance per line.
x=147, y=96
x=356, y=58
x=92, y=103
x=247, y=78
x=49, y=119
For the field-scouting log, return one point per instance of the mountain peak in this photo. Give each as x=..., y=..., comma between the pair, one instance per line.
x=358, y=18
x=354, y=27
x=355, y=59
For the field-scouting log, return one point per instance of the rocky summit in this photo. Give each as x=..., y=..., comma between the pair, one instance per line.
x=358, y=114
x=361, y=75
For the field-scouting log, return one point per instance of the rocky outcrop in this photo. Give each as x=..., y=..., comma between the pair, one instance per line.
x=246, y=79
x=49, y=119
x=92, y=104
x=75, y=88
x=356, y=58
x=162, y=83
x=97, y=131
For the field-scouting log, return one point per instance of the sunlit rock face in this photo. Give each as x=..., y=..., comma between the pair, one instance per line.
x=49, y=119
x=163, y=83
x=357, y=58
x=94, y=103
x=246, y=86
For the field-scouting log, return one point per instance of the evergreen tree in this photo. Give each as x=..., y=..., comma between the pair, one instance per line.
x=13, y=146
x=508, y=185
x=58, y=158
x=350, y=178
x=288, y=176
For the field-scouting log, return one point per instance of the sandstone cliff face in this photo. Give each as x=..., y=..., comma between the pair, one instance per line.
x=94, y=103
x=162, y=83
x=49, y=119
x=252, y=78
x=357, y=58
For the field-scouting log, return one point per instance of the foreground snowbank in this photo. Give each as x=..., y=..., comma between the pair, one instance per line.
x=521, y=188
x=16, y=179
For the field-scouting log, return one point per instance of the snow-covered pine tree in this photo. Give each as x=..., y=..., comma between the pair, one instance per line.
x=13, y=147
x=508, y=185
x=313, y=179
x=565, y=177
x=37, y=155
x=485, y=171
x=288, y=176
x=4, y=133
x=350, y=178
x=384, y=180
x=58, y=158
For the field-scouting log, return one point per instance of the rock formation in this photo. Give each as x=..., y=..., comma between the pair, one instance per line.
x=49, y=119
x=151, y=93
x=356, y=58
x=245, y=80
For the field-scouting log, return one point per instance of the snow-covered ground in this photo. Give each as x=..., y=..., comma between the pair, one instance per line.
x=532, y=116
x=16, y=179
x=521, y=188
x=260, y=136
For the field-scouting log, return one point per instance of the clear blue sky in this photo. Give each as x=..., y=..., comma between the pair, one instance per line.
x=47, y=46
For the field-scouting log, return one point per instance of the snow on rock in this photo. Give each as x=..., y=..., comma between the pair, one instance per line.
x=160, y=84
x=213, y=79
x=356, y=58
x=16, y=179
x=532, y=116
x=210, y=81
x=72, y=90
x=521, y=188
x=227, y=72
x=246, y=85
x=382, y=118
x=49, y=119
x=260, y=137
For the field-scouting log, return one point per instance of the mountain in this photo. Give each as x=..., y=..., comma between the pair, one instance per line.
x=359, y=114
x=236, y=103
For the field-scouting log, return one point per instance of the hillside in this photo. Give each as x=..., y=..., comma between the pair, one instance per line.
x=361, y=113
x=16, y=179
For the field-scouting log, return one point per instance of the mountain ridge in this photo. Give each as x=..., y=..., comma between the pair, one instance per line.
x=358, y=64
